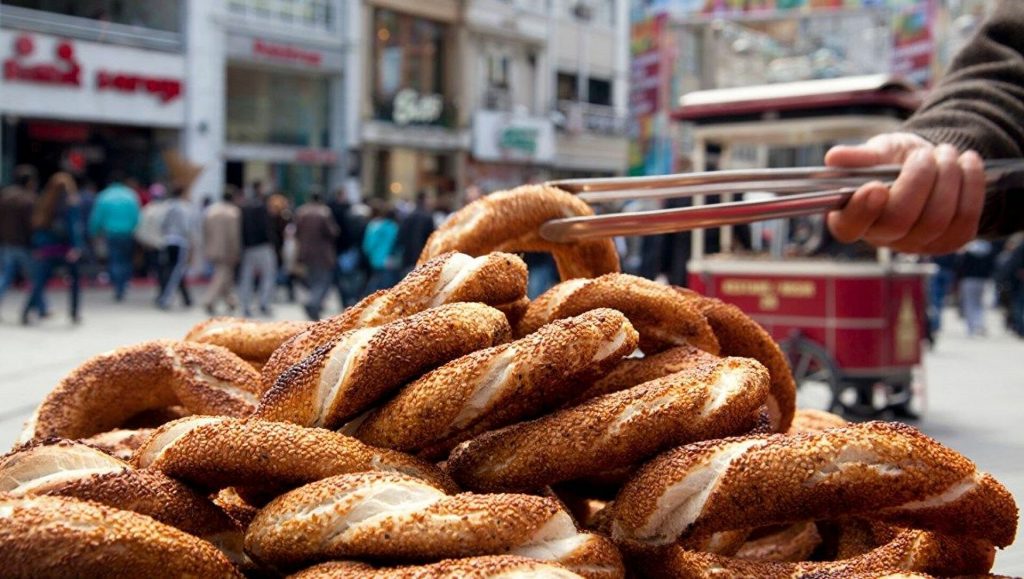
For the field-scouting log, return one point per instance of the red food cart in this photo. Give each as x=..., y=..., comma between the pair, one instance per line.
x=852, y=329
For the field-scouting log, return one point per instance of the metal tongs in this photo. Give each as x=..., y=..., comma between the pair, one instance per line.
x=799, y=191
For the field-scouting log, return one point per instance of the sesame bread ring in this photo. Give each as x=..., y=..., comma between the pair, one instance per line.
x=44, y=536
x=511, y=220
x=72, y=469
x=106, y=390
x=812, y=420
x=615, y=430
x=356, y=369
x=739, y=335
x=218, y=452
x=662, y=316
x=909, y=551
x=119, y=443
x=496, y=278
x=883, y=471
x=234, y=506
x=397, y=517
x=792, y=543
x=251, y=340
x=635, y=371
x=485, y=567
x=497, y=386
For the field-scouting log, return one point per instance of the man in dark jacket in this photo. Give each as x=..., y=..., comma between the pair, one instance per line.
x=413, y=232
x=258, y=257
x=315, y=231
x=939, y=202
x=16, y=202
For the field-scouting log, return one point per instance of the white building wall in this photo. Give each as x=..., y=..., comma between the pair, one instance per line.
x=202, y=138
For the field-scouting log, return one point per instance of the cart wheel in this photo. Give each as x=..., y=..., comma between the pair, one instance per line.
x=817, y=378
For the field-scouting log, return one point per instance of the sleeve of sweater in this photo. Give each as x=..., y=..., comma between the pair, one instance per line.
x=979, y=105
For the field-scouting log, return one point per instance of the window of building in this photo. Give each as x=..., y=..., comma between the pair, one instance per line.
x=318, y=15
x=599, y=91
x=566, y=86
x=498, y=66
x=277, y=108
x=408, y=53
x=155, y=14
x=599, y=12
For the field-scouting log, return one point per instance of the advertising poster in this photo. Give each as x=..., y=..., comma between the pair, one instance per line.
x=650, y=150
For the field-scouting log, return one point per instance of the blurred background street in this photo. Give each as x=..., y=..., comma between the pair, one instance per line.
x=974, y=385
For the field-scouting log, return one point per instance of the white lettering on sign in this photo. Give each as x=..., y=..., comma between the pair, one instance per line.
x=411, y=107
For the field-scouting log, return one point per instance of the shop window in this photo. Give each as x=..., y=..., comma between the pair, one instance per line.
x=599, y=91
x=409, y=69
x=566, y=86
x=155, y=14
x=319, y=15
x=277, y=108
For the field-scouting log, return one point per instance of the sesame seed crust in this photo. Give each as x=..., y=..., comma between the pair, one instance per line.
x=252, y=340
x=510, y=221
x=615, y=430
x=484, y=567
x=739, y=335
x=811, y=420
x=393, y=516
x=500, y=279
x=661, y=315
x=46, y=536
x=635, y=371
x=119, y=443
x=109, y=388
x=501, y=385
x=396, y=353
x=257, y=453
x=874, y=469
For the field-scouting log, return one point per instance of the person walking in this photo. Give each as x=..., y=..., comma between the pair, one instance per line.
x=150, y=236
x=179, y=230
x=413, y=232
x=16, y=201
x=58, y=237
x=316, y=231
x=114, y=217
x=222, y=246
x=976, y=265
x=258, y=258
x=379, y=246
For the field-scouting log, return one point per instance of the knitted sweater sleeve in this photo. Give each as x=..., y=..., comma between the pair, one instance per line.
x=979, y=105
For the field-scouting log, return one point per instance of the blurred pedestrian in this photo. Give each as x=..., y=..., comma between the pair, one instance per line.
x=222, y=246
x=379, y=245
x=58, y=236
x=341, y=210
x=114, y=218
x=413, y=232
x=258, y=257
x=279, y=207
x=16, y=201
x=179, y=230
x=975, y=268
x=353, y=267
x=316, y=231
x=939, y=286
x=149, y=235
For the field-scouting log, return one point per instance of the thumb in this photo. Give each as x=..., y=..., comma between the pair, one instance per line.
x=866, y=155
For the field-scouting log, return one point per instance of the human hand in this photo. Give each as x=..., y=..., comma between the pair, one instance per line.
x=933, y=206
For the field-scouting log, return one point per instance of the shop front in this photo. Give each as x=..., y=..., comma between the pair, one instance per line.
x=510, y=149
x=411, y=137
x=283, y=115
x=88, y=108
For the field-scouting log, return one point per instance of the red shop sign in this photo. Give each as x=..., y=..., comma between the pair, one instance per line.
x=64, y=70
x=286, y=52
x=166, y=89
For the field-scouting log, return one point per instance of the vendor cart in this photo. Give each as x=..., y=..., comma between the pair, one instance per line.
x=853, y=330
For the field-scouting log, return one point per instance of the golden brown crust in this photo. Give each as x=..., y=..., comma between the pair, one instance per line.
x=106, y=390
x=792, y=543
x=615, y=430
x=484, y=567
x=252, y=340
x=234, y=506
x=635, y=371
x=511, y=220
x=514, y=311
x=739, y=335
x=496, y=278
x=885, y=471
x=226, y=452
x=119, y=443
x=811, y=420
x=663, y=317
x=393, y=516
x=61, y=537
x=350, y=373
x=500, y=385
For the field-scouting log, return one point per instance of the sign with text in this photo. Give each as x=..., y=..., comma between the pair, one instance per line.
x=500, y=136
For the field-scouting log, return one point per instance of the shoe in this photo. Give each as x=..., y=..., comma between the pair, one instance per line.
x=265, y=310
x=246, y=313
x=24, y=318
x=210, y=310
x=76, y=320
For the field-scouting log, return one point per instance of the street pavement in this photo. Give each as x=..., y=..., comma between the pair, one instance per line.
x=974, y=385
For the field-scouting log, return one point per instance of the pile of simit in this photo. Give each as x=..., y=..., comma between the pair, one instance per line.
x=449, y=427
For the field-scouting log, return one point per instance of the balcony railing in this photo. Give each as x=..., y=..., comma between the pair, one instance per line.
x=577, y=117
x=89, y=29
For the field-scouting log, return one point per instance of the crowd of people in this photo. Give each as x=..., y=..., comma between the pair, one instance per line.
x=248, y=245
